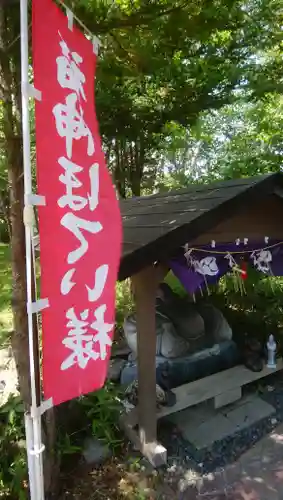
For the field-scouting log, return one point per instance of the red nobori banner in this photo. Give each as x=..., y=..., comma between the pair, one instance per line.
x=80, y=225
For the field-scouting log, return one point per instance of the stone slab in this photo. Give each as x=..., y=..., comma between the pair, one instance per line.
x=247, y=414
x=214, y=429
x=203, y=425
x=95, y=451
x=193, y=416
x=228, y=397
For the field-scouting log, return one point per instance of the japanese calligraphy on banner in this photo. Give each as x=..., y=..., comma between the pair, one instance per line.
x=80, y=225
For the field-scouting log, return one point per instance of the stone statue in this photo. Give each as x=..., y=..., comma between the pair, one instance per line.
x=192, y=340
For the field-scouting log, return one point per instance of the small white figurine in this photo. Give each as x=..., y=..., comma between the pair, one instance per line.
x=271, y=350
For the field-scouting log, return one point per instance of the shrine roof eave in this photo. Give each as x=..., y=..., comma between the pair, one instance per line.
x=154, y=227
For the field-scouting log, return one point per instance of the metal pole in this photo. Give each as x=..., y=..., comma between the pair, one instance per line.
x=28, y=219
x=29, y=445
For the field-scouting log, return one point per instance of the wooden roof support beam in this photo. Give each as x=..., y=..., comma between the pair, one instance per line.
x=145, y=287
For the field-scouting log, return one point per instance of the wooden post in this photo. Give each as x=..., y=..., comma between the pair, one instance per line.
x=145, y=286
x=145, y=293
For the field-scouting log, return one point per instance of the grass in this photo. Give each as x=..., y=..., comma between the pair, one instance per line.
x=5, y=295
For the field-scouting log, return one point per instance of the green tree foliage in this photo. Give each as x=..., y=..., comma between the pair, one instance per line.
x=239, y=140
x=255, y=143
x=13, y=467
x=168, y=61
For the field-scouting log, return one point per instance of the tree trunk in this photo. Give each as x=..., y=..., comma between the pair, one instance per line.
x=13, y=147
x=119, y=175
x=137, y=168
x=5, y=209
x=19, y=300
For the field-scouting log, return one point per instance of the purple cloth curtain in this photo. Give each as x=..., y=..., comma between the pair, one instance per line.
x=204, y=264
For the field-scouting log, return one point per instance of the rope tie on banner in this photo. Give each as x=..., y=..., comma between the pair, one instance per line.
x=32, y=200
x=37, y=451
x=240, y=252
x=28, y=216
x=71, y=16
x=40, y=410
x=36, y=200
x=29, y=90
x=37, y=306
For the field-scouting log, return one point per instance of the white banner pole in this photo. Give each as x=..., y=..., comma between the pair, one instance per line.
x=30, y=445
x=37, y=490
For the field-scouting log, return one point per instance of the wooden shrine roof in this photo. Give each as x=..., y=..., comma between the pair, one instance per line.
x=155, y=226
